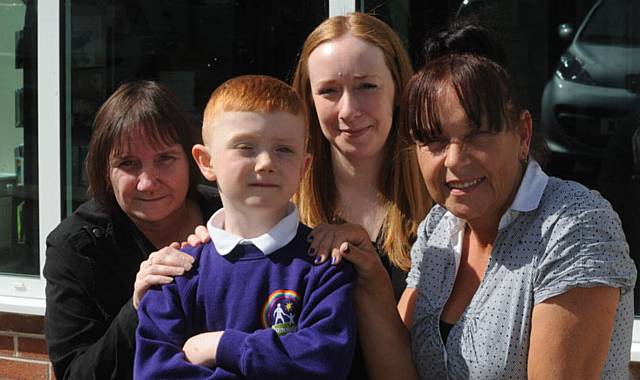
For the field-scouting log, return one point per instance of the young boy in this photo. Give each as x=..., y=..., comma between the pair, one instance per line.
x=254, y=304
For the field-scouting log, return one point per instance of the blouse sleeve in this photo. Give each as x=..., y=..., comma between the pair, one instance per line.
x=417, y=252
x=586, y=248
x=425, y=229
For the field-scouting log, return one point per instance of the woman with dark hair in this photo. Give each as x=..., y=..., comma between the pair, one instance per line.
x=514, y=274
x=142, y=184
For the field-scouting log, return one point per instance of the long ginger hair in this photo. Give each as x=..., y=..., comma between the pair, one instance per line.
x=399, y=181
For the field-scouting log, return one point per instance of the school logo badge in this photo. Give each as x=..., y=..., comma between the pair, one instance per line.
x=280, y=311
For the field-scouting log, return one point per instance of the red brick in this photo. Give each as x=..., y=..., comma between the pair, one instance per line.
x=33, y=324
x=32, y=348
x=6, y=345
x=634, y=371
x=20, y=370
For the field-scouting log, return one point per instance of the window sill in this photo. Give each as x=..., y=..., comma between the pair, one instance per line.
x=21, y=305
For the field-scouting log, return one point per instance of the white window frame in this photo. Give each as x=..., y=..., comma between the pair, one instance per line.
x=341, y=7
x=25, y=294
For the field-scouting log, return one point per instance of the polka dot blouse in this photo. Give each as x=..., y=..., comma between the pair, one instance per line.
x=562, y=236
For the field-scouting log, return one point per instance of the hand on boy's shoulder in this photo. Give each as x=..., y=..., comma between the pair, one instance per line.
x=195, y=251
x=342, y=268
x=199, y=237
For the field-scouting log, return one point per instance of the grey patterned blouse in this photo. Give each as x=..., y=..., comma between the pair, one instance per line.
x=557, y=235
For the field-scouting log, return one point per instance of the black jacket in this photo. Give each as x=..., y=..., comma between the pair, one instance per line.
x=92, y=259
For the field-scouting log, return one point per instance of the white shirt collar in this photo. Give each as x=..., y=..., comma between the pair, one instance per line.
x=279, y=236
x=529, y=193
x=527, y=198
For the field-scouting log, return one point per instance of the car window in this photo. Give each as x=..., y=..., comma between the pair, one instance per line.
x=613, y=22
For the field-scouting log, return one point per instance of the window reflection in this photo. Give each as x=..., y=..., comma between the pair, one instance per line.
x=591, y=109
x=613, y=23
x=189, y=46
x=18, y=139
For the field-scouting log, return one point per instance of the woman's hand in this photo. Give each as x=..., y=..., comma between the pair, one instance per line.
x=349, y=242
x=201, y=349
x=326, y=240
x=200, y=236
x=160, y=268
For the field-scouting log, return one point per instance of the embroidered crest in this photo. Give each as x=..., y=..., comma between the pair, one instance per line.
x=280, y=311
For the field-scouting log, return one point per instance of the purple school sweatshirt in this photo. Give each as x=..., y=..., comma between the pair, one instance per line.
x=282, y=316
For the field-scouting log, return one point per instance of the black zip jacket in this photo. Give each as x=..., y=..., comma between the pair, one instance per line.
x=92, y=259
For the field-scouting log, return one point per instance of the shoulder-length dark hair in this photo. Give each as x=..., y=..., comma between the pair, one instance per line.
x=139, y=108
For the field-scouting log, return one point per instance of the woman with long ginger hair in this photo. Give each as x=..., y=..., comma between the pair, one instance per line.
x=364, y=171
x=351, y=72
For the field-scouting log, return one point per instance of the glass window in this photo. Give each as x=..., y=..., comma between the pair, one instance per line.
x=577, y=67
x=18, y=139
x=190, y=46
x=613, y=23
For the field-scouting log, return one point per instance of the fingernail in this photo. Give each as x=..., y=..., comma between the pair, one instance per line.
x=318, y=259
x=333, y=260
x=311, y=252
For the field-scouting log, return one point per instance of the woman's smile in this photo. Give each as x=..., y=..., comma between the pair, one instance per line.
x=461, y=187
x=355, y=132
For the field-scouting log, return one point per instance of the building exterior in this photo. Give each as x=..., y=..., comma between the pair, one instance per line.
x=59, y=59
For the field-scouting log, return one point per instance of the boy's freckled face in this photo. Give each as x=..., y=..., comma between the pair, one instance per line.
x=258, y=158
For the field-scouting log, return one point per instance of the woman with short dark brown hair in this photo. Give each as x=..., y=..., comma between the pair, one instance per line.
x=142, y=184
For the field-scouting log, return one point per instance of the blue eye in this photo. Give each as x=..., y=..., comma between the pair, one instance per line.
x=368, y=86
x=327, y=91
x=284, y=149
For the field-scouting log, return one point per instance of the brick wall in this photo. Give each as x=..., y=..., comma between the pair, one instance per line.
x=23, y=353
x=634, y=370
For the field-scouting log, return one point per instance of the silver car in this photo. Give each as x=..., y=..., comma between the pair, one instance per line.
x=596, y=83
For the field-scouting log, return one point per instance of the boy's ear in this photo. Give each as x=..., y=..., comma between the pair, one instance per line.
x=203, y=159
